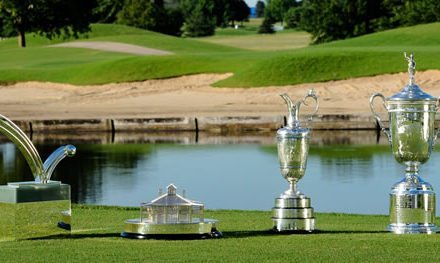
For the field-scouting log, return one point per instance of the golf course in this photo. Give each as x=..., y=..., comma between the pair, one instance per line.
x=368, y=55
x=340, y=238
x=236, y=72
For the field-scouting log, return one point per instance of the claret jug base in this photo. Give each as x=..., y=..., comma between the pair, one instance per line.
x=293, y=214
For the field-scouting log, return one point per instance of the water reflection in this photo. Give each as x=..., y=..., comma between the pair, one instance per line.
x=347, y=170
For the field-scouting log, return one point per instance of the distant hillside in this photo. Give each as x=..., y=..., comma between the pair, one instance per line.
x=363, y=56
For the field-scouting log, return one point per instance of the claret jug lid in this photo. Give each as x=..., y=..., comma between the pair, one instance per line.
x=411, y=92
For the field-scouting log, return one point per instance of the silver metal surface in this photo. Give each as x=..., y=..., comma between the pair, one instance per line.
x=136, y=226
x=412, y=135
x=288, y=224
x=293, y=143
x=292, y=211
x=32, y=210
x=39, y=208
x=292, y=202
x=41, y=172
x=412, y=228
x=170, y=214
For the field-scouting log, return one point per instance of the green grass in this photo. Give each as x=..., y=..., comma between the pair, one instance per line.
x=264, y=42
x=229, y=51
x=342, y=238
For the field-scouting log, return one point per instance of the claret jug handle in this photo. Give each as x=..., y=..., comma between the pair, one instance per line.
x=376, y=115
x=312, y=94
x=293, y=108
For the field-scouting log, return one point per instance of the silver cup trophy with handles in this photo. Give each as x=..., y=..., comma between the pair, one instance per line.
x=293, y=211
x=412, y=135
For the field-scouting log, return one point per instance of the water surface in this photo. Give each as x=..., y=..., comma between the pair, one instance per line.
x=350, y=172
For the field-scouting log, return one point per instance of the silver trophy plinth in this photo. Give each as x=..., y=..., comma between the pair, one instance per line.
x=38, y=208
x=293, y=211
x=171, y=216
x=412, y=135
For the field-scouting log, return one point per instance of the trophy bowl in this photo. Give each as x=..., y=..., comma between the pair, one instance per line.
x=412, y=135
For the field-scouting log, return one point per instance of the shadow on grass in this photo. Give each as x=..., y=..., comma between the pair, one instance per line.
x=226, y=234
x=270, y=232
x=78, y=236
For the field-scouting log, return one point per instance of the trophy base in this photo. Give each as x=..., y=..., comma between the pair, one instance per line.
x=135, y=228
x=412, y=228
x=293, y=214
x=34, y=210
x=293, y=224
x=412, y=207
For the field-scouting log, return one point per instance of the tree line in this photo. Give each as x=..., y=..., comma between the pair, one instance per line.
x=329, y=20
x=69, y=18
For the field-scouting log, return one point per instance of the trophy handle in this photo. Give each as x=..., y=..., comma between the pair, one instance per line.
x=311, y=94
x=438, y=129
x=376, y=116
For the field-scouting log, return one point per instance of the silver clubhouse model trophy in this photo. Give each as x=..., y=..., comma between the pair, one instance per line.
x=171, y=216
x=292, y=211
x=412, y=135
x=37, y=208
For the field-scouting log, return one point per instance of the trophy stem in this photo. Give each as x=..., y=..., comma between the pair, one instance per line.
x=412, y=173
x=292, y=192
x=412, y=168
x=293, y=187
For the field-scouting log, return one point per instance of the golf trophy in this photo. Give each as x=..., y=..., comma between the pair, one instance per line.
x=37, y=208
x=292, y=211
x=412, y=135
x=171, y=216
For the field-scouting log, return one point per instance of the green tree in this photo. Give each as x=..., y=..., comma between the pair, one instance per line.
x=266, y=26
x=354, y=18
x=240, y=11
x=228, y=11
x=199, y=18
x=47, y=17
x=259, y=8
x=278, y=8
x=413, y=12
x=222, y=12
x=292, y=18
x=151, y=15
x=107, y=10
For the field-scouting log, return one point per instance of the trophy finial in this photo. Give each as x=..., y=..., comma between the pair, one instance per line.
x=411, y=67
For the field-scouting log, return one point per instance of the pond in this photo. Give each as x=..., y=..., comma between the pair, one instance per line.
x=350, y=172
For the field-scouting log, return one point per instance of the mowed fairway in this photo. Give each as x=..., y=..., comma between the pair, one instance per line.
x=363, y=56
x=281, y=41
x=246, y=37
x=341, y=238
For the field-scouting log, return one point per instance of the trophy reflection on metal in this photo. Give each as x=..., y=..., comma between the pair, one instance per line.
x=171, y=215
x=36, y=208
x=292, y=211
x=412, y=135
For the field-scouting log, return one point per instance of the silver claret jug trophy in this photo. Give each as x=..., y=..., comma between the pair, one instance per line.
x=292, y=211
x=412, y=135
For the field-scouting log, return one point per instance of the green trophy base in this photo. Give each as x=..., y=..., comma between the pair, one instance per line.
x=34, y=210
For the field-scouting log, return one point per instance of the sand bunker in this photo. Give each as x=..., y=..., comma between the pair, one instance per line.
x=193, y=96
x=114, y=47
